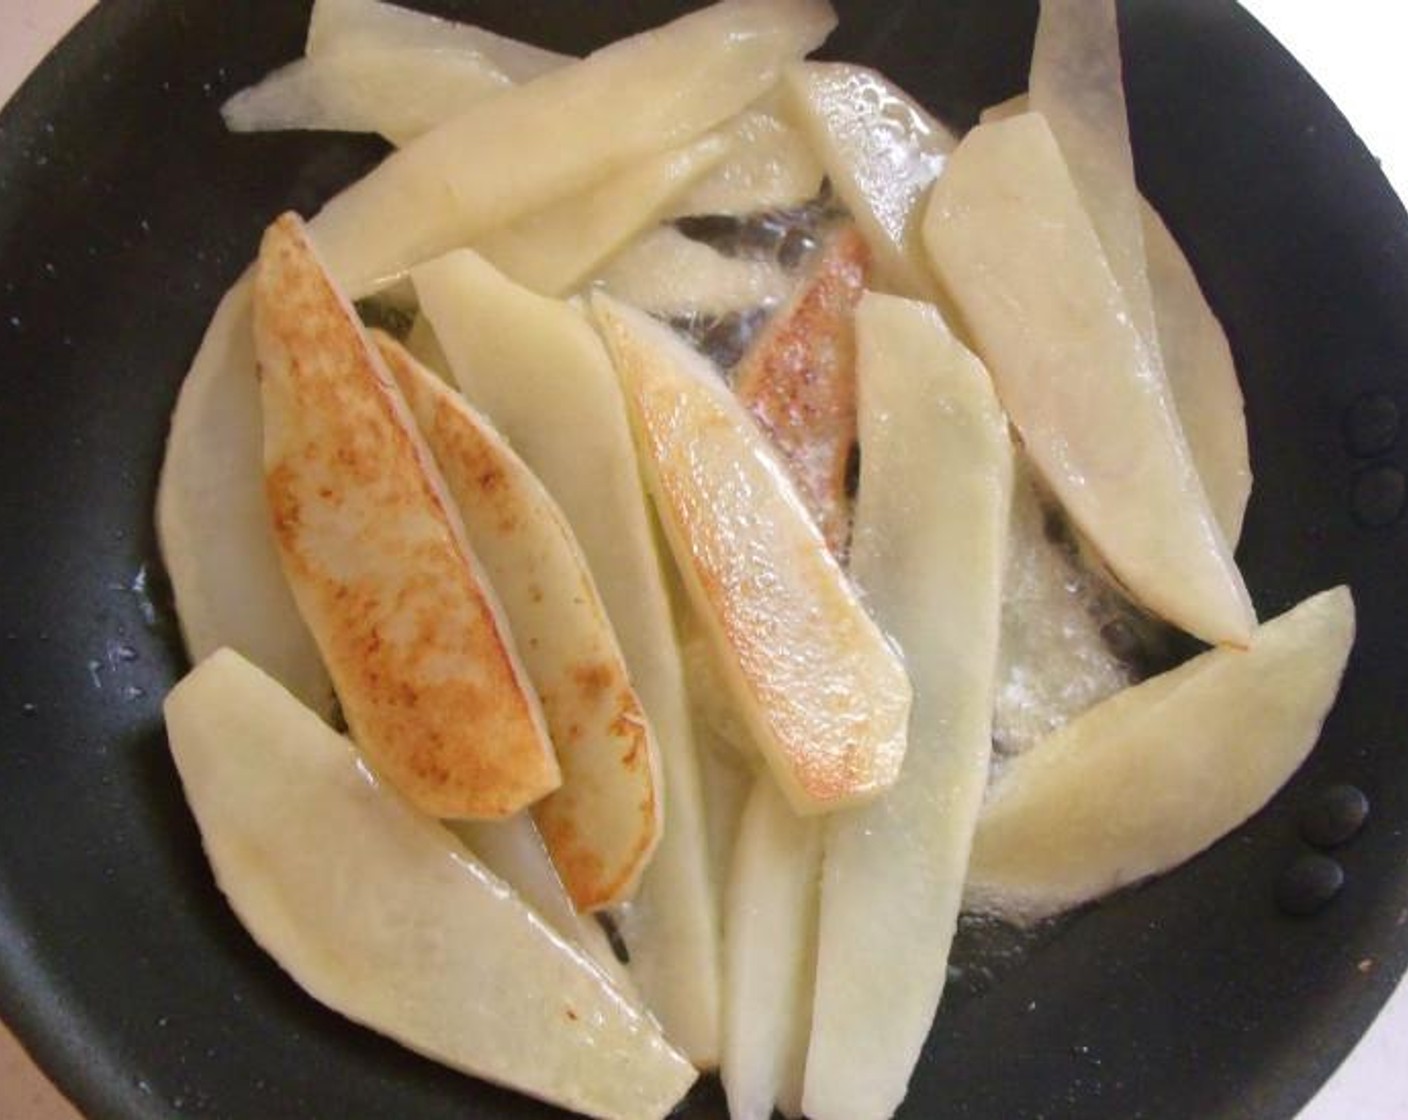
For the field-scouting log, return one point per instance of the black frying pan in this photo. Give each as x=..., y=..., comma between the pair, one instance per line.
x=125, y=210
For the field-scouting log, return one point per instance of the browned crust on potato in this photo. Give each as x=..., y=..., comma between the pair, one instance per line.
x=799, y=380
x=426, y=674
x=596, y=721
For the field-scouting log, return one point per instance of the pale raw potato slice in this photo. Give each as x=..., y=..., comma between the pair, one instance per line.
x=554, y=250
x=1052, y=661
x=336, y=24
x=881, y=151
x=536, y=368
x=771, y=167
x=727, y=778
x=1077, y=85
x=769, y=955
x=601, y=826
x=1157, y=773
x=1011, y=241
x=212, y=517
x=825, y=696
x=383, y=916
x=410, y=631
x=1197, y=362
x=528, y=147
x=666, y=273
x=513, y=850
x=1201, y=376
x=400, y=92
x=799, y=379
x=929, y=552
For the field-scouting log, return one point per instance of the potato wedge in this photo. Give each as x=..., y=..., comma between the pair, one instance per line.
x=1010, y=239
x=929, y=553
x=666, y=273
x=335, y=25
x=798, y=379
x=770, y=166
x=514, y=850
x=536, y=368
x=554, y=250
x=1157, y=773
x=1201, y=376
x=881, y=151
x=825, y=697
x=1077, y=86
x=409, y=629
x=560, y=134
x=212, y=518
x=383, y=916
x=601, y=826
x=1198, y=364
x=399, y=92
x=769, y=955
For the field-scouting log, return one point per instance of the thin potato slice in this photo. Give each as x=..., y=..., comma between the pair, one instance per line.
x=536, y=368
x=411, y=634
x=1009, y=237
x=553, y=251
x=212, y=518
x=1076, y=84
x=532, y=145
x=929, y=552
x=513, y=850
x=770, y=167
x=337, y=24
x=825, y=697
x=398, y=92
x=667, y=273
x=769, y=955
x=383, y=916
x=601, y=826
x=1201, y=376
x=882, y=152
x=1157, y=773
x=798, y=379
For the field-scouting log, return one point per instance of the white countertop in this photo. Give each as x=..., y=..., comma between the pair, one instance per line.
x=1353, y=49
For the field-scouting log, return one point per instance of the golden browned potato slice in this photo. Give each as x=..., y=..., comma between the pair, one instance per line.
x=536, y=367
x=799, y=380
x=823, y=692
x=422, y=662
x=601, y=827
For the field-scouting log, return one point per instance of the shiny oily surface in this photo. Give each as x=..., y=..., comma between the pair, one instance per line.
x=1193, y=996
x=824, y=692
